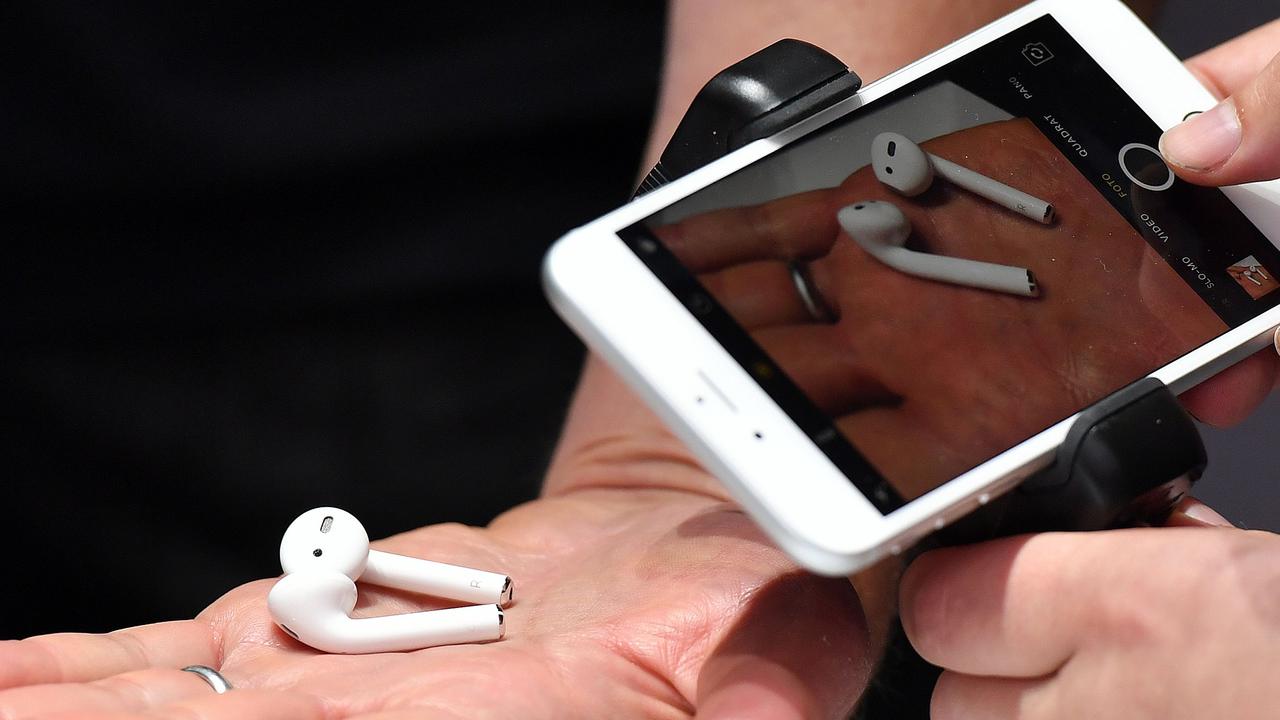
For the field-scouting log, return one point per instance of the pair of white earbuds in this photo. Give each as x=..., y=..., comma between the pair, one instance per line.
x=325, y=550
x=882, y=230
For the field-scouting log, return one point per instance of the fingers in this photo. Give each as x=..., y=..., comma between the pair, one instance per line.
x=758, y=294
x=966, y=697
x=1232, y=394
x=234, y=705
x=127, y=692
x=1012, y=607
x=1023, y=607
x=799, y=226
x=1234, y=142
x=799, y=650
x=78, y=657
x=152, y=693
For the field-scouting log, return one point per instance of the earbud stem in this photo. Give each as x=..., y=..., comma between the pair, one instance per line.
x=437, y=579
x=958, y=271
x=413, y=631
x=994, y=190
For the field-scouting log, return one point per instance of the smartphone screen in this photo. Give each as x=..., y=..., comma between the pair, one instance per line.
x=906, y=382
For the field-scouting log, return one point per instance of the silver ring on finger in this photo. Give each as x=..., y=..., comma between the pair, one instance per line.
x=211, y=676
x=813, y=301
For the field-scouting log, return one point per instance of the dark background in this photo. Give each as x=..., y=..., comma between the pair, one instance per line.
x=259, y=260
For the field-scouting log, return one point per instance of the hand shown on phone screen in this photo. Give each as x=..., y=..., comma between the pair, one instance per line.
x=929, y=379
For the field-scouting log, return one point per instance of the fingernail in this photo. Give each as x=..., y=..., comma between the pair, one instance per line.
x=1206, y=141
x=1202, y=513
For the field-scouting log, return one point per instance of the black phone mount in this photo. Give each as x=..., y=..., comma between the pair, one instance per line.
x=754, y=98
x=1127, y=459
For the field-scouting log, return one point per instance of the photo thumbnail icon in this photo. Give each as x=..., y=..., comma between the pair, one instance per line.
x=1255, y=279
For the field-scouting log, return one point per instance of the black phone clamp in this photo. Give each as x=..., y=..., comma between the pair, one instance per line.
x=1127, y=460
x=769, y=91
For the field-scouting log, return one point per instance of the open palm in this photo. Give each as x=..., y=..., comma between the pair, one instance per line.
x=639, y=592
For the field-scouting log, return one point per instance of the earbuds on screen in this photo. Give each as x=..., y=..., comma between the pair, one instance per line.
x=904, y=166
x=882, y=230
x=325, y=550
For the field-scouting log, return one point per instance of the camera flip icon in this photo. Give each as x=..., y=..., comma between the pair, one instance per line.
x=1037, y=53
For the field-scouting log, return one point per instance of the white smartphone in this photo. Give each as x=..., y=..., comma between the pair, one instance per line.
x=850, y=433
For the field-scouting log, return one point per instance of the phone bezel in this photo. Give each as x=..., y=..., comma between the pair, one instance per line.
x=627, y=315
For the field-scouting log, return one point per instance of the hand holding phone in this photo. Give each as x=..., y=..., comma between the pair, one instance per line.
x=1236, y=141
x=1130, y=623
x=1248, y=67
x=924, y=399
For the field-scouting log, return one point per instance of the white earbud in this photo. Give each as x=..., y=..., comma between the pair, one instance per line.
x=314, y=607
x=332, y=539
x=881, y=229
x=325, y=550
x=904, y=166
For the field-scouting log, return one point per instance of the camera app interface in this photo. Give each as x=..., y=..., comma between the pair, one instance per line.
x=935, y=278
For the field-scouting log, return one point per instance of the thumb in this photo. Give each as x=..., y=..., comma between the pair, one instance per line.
x=1238, y=141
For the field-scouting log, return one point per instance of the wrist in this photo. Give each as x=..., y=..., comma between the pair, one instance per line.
x=612, y=440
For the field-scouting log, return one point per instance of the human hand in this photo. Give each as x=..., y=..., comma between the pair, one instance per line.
x=1238, y=141
x=640, y=591
x=1165, y=623
x=904, y=353
x=630, y=602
